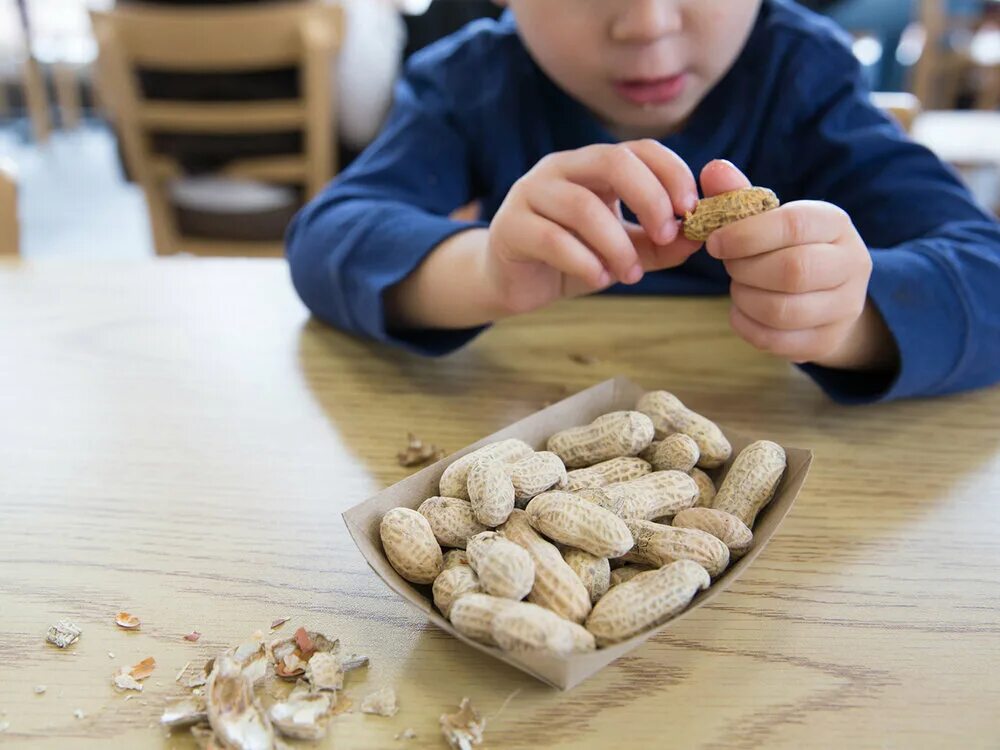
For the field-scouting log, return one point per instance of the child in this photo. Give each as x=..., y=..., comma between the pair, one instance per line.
x=879, y=275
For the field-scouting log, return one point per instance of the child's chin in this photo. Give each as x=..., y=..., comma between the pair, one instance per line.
x=649, y=121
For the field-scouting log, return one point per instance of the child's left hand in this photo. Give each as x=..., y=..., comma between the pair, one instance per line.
x=799, y=281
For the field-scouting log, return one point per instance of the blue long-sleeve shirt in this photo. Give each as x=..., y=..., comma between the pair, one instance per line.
x=474, y=113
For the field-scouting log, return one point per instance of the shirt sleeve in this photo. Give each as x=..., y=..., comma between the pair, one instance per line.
x=936, y=254
x=374, y=224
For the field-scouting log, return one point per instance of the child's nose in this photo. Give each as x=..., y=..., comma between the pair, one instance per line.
x=646, y=20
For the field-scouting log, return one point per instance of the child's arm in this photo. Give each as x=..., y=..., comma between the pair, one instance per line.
x=559, y=233
x=380, y=218
x=802, y=286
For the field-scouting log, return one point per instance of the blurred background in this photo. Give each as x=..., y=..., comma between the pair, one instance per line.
x=131, y=129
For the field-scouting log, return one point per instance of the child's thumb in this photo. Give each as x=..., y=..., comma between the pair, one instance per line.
x=721, y=176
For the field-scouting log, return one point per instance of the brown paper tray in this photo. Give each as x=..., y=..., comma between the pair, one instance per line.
x=617, y=394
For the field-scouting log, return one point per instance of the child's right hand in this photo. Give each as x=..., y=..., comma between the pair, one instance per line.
x=560, y=230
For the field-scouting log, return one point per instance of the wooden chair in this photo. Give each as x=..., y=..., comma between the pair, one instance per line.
x=231, y=39
x=63, y=44
x=9, y=240
x=941, y=69
x=902, y=106
x=18, y=66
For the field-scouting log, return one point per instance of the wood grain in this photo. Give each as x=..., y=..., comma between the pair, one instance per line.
x=178, y=440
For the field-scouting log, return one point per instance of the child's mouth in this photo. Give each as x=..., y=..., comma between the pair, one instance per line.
x=647, y=91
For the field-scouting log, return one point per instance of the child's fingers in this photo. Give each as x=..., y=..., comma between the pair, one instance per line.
x=581, y=212
x=793, y=270
x=617, y=169
x=799, y=223
x=803, y=345
x=655, y=257
x=721, y=176
x=672, y=172
x=540, y=239
x=792, y=312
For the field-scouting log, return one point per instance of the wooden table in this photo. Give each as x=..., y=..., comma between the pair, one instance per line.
x=178, y=440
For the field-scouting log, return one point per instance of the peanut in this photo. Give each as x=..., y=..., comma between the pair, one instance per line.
x=669, y=415
x=473, y=614
x=678, y=452
x=662, y=493
x=593, y=571
x=751, y=481
x=721, y=210
x=452, y=584
x=556, y=586
x=528, y=627
x=607, y=472
x=706, y=488
x=410, y=545
x=491, y=491
x=534, y=474
x=620, y=433
x=658, y=545
x=648, y=600
x=628, y=572
x=725, y=527
x=598, y=496
x=504, y=568
x=453, y=480
x=576, y=522
x=455, y=557
x=451, y=520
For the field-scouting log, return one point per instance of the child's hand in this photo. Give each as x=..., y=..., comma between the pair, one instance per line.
x=799, y=281
x=560, y=231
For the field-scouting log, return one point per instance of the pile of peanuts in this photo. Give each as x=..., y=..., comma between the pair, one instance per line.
x=610, y=532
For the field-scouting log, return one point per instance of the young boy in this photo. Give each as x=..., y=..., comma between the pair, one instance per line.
x=879, y=275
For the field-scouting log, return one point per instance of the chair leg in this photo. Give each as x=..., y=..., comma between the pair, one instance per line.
x=988, y=97
x=37, y=100
x=9, y=227
x=161, y=220
x=68, y=95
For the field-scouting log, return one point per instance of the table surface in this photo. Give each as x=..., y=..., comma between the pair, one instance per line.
x=178, y=440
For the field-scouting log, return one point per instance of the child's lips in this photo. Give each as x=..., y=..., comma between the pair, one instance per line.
x=645, y=91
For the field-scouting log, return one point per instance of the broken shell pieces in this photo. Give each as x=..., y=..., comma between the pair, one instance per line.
x=417, y=452
x=204, y=737
x=63, y=634
x=193, y=676
x=184, y=713
x=127, y=621
x=464, y=728
x=303, y=715
x=124, y=681
x=130, y=678
x=324, y=672
x=382, y=702
x=143, y=669
x=291, y=655
x=233, y=712
x=352, y=662
x=252, y=657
